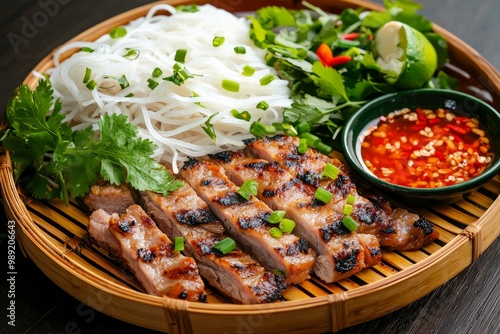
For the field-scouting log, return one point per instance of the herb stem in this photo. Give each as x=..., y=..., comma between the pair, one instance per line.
x=64, y=191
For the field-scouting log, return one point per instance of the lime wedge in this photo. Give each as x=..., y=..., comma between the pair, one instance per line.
x=405, y=54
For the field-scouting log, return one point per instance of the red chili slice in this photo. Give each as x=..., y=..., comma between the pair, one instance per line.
x=439, y=155
x=350, y=36
x=457, y=129
x=325, y=55
x=418, y=127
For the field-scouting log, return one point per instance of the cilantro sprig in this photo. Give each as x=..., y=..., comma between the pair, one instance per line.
x=325, y=96
x=53, y=161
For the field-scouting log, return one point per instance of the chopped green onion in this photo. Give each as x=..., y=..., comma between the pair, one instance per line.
x=276, y=217
x=123, y=82
x=152, y=84
x=231, y=85
x=180, y=55
x=218, y=41
x=350, y=199
x=180, y=75
x=262, y=105
x=175, y=78
x=330, y=171
x=278, y=272
x=86, y=78
x=270, y=37
x=225, y=246
x=266, y=80
x=303, y=127
x=157, y=72
x=323, y=195
x=87, y=49
x=185, y=74
x=177, y=67
x=287, y=225
x=302, y=146
x=209, y=128
x=347, y=209
x=260, y=130
x=132, y=54
x=188, y=8
x=179, y=243
x=248, y=71
x=343, y=43
x=349, y=223
x=118, y=32
x=270, y=59
x=312, y=140
x=288, y=129
x=129, y=95
x=91, y=84
x=248, y=189
x=323, y=148
x=275, y=232
x=240, y=50
x=244, y=115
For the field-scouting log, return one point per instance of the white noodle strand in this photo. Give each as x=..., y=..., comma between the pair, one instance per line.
x=172, y=116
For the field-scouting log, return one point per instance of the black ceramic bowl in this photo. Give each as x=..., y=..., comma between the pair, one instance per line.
x=460, y=104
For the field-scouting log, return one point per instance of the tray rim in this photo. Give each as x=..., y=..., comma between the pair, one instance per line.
x=178, y=314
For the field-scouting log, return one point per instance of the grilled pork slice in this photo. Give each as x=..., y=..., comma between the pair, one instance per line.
x=371, y=247
x=309, y=166
x=235, y=274
x=246, y=222
x=340, y=252
x=110, y=198
x=148, y=252
x=414, y=231
x=99, y=232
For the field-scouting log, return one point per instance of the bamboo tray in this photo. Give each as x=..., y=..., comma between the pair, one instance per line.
x=54, y=237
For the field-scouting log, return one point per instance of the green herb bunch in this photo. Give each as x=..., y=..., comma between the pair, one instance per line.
x=53, y=161
x=326, y=96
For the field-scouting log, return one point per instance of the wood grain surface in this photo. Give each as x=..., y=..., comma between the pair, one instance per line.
x=30, y=29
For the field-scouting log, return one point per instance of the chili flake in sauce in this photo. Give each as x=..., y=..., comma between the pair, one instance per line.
x=425, y=148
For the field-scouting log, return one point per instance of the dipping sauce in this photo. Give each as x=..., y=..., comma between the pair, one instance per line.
x=425, y=148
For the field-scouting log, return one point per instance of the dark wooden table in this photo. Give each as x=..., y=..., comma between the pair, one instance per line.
x=30, y=29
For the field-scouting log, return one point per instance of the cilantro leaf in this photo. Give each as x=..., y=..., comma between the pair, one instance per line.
x=24, y=156
x=406, y=5
x=349, y=16
x=258, y=33
x=27, y=116
x=329, y=81
x=115, y=131
x=406, y=11
x=440, y=45
x=42, y=187
x=81, y=167
x=273, y=16
x=28, y=113
x=376, y=20
x=444, y=81
x=310, y=109
x=366, y=88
